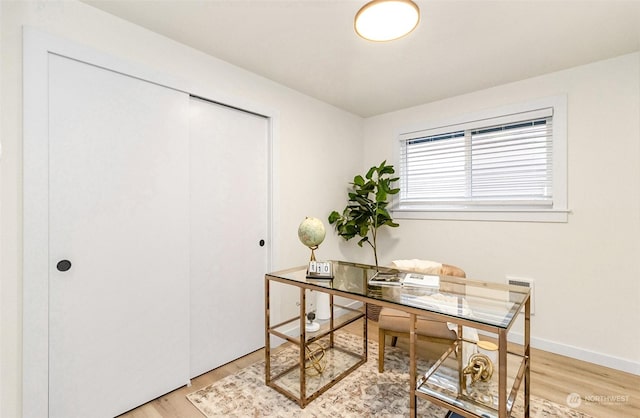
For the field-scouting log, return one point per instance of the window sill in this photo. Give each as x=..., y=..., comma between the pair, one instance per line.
x=500, y=215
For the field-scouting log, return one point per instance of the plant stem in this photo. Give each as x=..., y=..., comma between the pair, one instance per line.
x=375, y=228
x=374, y=245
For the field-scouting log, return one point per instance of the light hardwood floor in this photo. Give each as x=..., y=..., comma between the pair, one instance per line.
x=606, y=393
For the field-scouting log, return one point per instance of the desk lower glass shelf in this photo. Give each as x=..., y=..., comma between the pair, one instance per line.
x=480, y=398
x=335, y=361
x=324, y=365
x=286, y=331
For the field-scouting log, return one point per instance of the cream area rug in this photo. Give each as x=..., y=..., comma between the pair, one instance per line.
x=363, y=393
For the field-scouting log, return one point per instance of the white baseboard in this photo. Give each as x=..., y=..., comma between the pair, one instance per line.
x=578, y=353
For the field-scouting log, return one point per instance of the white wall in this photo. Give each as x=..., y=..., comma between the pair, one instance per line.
x=304, y=186
x=587, y=272
x=2, y=383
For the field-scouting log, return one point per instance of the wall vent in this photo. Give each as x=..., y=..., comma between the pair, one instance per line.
x=526, y=282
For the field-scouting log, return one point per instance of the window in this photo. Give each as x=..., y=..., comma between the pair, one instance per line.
x=508, y=164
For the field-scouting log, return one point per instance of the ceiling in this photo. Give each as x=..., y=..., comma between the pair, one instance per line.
x=459, y=46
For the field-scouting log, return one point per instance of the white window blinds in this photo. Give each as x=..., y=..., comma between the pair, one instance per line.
x=501, y=161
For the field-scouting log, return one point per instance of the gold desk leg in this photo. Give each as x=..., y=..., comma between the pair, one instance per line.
x=413, y=410
x=365, y=330
x=331, y=339
x=303, y=348
x=461, y=361
x=527, y=356
x=502, y=374
x=267, y=339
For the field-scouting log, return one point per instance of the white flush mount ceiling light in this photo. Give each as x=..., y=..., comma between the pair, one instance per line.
x=386, y=20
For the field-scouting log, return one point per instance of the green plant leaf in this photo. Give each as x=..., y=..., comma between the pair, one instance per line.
x=384, y=184
x=358, y=180
x=333, y=217
x=392, y=224
x=363, y=201
x=369, y=174
x=387, y=170
x=348, y=231
x=368, y=186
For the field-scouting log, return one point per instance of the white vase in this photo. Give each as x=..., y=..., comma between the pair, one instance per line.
x=323, y=309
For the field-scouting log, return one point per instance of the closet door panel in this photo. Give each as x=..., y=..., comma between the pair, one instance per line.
x=118, y=200
x=229, y=180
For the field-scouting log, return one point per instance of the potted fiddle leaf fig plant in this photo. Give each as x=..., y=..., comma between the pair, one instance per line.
x=366, y=209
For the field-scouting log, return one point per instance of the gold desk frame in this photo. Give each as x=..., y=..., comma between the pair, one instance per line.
x=503, y=411
x=303, y=400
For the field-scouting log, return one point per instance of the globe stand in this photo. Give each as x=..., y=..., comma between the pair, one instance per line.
x=313, y=254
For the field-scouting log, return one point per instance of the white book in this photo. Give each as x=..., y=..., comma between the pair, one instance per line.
x=416, y=279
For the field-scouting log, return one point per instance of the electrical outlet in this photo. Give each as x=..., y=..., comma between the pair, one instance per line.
x=526, y=282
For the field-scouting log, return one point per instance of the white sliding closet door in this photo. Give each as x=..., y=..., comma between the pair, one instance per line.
x=118, y=215
x=229, y=186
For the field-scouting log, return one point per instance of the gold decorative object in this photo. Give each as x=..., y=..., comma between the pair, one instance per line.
x=315, y=361
x=480, y=368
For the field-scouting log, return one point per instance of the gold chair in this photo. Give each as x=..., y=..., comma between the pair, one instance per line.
x=395, y=323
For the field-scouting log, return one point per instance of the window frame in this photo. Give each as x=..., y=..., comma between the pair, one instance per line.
x=558, y=212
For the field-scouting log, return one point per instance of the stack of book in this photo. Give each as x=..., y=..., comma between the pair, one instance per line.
x=404, y=279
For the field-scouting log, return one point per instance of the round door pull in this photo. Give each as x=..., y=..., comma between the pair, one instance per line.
x=261, y=243
x=63, y=265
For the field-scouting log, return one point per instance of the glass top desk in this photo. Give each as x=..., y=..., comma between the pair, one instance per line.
x=489, y=307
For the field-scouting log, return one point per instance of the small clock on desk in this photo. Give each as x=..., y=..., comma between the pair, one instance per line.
x=320, y=270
